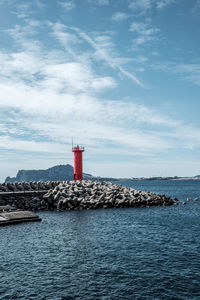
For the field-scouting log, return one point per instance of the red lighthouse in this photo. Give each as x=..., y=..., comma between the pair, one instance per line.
x=78, y=164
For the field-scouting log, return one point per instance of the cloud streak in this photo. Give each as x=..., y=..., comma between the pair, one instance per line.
x=103, y=54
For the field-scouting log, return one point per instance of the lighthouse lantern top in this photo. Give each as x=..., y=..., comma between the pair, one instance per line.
x=77, y=149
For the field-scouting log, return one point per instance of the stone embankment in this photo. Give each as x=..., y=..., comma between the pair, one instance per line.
x=70, y=195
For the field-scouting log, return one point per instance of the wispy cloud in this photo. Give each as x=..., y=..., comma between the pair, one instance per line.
x=119, y=16
x=161, y=4
x=103, y=53
x=49, y=94
x=60, y=99
x=24, y=9
x=144, y=32
x=10, y=143
x=187, y=71
x=195, y=10
x=67, y=5
x=39, y=3
x=99, y=2
x=143, y=5
x=7, y=2
x=102, y=48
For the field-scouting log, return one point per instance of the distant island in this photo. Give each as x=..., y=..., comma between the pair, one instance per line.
x=56, y=173
x=197, y=177
x=65, y=172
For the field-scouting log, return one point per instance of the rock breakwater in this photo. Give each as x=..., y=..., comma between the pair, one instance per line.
x=71, y=195
x=27, y=186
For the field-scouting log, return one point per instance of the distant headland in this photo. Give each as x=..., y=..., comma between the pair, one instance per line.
x=65, y=172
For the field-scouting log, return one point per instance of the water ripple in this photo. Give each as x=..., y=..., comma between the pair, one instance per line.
x=151, y=253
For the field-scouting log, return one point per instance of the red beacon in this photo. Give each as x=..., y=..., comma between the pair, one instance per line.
x=78, y=163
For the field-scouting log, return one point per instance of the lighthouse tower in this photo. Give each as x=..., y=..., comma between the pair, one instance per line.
x=78, y=164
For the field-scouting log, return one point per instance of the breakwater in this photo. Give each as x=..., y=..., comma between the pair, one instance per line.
x=71, y=195
x=27, y=186
x=26, y=195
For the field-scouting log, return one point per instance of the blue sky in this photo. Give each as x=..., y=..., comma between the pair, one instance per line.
x=120, y=76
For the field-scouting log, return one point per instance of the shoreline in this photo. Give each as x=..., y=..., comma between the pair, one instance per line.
x=153, y=178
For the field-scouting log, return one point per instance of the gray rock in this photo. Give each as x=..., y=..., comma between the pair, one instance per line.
x=56, y=196
x=18, y=186
x=2, y=202
x=3, y=188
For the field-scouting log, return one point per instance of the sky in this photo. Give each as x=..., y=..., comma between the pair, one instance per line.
x=122, y=77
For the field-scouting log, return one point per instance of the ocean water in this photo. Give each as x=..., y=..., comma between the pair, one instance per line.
x=129, y=253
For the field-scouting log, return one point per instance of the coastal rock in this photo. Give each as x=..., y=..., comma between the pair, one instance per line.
x=3, y=188
x=2, y=202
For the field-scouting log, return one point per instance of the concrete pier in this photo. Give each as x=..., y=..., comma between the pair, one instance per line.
x=9, y=215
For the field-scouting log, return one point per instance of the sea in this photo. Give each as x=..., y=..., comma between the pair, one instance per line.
x=118, y=253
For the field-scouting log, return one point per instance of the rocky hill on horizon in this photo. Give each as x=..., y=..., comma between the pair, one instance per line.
x=56, y=173
x=65, y=172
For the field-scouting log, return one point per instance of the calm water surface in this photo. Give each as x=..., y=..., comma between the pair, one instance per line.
x=130, y=253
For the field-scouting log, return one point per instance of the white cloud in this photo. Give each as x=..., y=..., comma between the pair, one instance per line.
x=187, y=71
x=103, y=53
x=102, y=44
x=66, y=38
x=99, y=2
x=140, y=4
x=161, y=4
x=145, y=168
x=144, y=32
x=39, y=4
x=10, y=143
x=67, y=5
x=24, y=9
x=119, y=16
x=144, y=6
x=58, y=116
x=71, y=76
x=54, y=95
x=195, y=8
x=103, y=2
x=75, y=76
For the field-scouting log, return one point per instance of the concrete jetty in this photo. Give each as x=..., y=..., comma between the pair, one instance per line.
x=9, y=215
